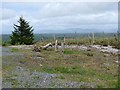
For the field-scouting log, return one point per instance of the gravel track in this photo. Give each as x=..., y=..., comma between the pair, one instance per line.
x=23, y=78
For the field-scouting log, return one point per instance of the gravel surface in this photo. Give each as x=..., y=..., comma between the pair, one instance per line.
x=23, y=78
x=6, y=52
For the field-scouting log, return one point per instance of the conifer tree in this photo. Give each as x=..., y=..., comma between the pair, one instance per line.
x=23, y=33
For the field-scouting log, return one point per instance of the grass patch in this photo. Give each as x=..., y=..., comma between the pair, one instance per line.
x=113, y=41
x=74, y=65
x=65, y=70
x=14, y=50
x=67, y=51
x=61, y=77
x=23, y=61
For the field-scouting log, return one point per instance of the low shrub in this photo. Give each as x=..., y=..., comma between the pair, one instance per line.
x=6, y=43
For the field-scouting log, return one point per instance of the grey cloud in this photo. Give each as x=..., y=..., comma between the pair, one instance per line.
x=104, y=18
x=65, y=9
x=7, y=13
x=62, y=16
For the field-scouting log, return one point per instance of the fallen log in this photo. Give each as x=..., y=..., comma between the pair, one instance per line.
x=38, y=49
x=46, y=46
x=117, y=62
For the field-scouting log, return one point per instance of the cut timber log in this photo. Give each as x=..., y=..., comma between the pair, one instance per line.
x=117, y=62
x=46, y=46
x=38, y=49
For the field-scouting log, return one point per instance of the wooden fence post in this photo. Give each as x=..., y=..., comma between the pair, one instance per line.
x=56, y=45
x=54, y=37
x=90, y=39
x=64, y=40
x=93, y=39
x=62, y=46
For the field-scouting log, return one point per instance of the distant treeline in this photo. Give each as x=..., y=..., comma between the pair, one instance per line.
x=39, y=37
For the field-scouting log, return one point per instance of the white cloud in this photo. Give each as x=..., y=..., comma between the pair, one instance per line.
x=6, y=13
x=67, y=9
x=63, y=15
x=60, y=1
x=102, y=18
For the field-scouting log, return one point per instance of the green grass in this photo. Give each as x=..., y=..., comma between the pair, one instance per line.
x=23, y=61
x=14, y=50
x=63, y=70
x=67, y=51
x=61, y=77
x=113, y=41
x=72, y=65
x=99, y=41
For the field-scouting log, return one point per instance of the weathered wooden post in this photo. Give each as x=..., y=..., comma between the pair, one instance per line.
x=62, y=46
x=108, y=42
x=89, y=41
x=93, y=38
x=54, y=37
x=56, y=45
x=64, y=40
x=89, y=38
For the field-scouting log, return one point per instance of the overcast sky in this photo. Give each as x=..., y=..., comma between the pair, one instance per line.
x=61, y=17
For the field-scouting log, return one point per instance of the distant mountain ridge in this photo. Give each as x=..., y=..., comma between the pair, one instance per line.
x=6, y=37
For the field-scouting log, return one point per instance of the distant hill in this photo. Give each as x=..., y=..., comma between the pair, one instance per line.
x=6, y=37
